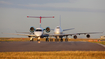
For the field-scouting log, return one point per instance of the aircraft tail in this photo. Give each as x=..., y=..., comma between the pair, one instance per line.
x=39, y=17
x=60, y=21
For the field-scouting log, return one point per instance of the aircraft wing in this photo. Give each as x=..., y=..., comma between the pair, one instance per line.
x=60, y=34
x=68, y=29
x=20, y=34
x=24, y=32
x=74, y=34
x=52, y=29
x=88, y=33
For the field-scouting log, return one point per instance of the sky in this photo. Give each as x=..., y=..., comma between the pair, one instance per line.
x=83, y=15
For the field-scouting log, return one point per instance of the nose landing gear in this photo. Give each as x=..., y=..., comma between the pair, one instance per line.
x=38, y=39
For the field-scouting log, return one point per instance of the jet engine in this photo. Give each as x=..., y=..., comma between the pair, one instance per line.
x=32, y=29
x=47, y=29
x=75, y=37
x=88, y=36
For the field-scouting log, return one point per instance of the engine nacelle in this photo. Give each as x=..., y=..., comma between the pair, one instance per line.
x=75, y=37
x=47, y=29
x=32, y=29
x=88, y=36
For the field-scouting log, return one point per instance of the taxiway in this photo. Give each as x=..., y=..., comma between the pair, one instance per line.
x=49, y=46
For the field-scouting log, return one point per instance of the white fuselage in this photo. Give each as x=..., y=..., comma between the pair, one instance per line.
x=58, y=30
x=38, y=32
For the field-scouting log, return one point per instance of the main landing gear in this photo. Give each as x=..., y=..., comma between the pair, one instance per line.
x=57, y=39
x=31, y=38
x=61, y=40
x=66, y=39
x=47, y=39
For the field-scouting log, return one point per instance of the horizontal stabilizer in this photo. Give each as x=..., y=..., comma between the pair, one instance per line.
x=40, y=17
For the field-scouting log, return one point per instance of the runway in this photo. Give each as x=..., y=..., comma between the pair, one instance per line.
x=49, y=46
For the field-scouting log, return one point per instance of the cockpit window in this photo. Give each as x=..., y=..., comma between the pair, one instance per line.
x=57, y=27
x=38, y=30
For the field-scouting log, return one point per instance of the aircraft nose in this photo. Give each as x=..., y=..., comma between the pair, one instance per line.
x=38, y=33
x=57, y=32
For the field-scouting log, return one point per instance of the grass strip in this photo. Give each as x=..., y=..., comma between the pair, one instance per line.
x=54, y=55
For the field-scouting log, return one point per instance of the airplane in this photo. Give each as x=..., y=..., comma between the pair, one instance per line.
x=58, y=33
x=38, y=32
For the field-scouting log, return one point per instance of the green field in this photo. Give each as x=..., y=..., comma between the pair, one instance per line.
x=54, y=55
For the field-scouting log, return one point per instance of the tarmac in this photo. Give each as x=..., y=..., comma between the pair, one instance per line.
x=49, y=46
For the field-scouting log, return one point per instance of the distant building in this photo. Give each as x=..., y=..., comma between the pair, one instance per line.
x=102, y=37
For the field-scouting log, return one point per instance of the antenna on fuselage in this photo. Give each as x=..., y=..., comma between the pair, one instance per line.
x=39, y=17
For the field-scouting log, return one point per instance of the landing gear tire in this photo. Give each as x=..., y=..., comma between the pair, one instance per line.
x=31, y=40
x=38, y=40
x=66, y=39
x=61, y=40
x=47, y=39
x=56, y=40
x=51, y=39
